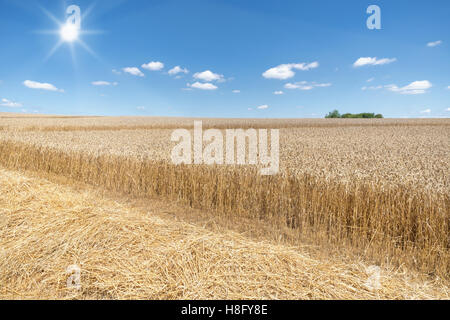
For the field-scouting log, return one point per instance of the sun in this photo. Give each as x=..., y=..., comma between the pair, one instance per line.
x=69, y=32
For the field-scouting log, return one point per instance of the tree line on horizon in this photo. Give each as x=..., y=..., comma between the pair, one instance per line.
x=365, y=115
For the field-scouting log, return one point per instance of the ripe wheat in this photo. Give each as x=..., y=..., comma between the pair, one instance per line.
x=380, y=190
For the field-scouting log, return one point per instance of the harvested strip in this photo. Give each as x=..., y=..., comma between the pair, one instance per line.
x=127, y=253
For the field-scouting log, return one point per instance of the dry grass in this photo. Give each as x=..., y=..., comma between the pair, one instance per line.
x=128, y=253
x=379, y=189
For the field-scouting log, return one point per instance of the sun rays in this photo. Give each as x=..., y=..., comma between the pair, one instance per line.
x=70, y=31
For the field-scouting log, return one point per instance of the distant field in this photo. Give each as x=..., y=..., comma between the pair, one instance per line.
x=376, y=188
x=62, y=123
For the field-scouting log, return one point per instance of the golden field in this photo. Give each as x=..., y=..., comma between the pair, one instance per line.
x=351, y=193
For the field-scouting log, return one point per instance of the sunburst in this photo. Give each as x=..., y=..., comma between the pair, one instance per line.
x=70, y=33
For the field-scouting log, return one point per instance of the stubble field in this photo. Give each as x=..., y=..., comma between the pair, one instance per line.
x=376, y=192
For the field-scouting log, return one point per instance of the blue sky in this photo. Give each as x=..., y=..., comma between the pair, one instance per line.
x=233, y=56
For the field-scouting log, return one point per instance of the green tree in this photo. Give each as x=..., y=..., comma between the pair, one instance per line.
x=333, y=114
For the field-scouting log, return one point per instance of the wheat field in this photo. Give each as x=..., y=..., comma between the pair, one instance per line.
x=351, y=193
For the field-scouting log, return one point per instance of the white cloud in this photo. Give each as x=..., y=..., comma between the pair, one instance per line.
x=202, y=86
x=448, y=109
x=297, y=86
x=104, y=83
x=372, y=88
x=236, y=91
x=278, y=92
x=305, y=85
x=41, y=86
x=363, y=61
x=140, y=108
x=416, y=87
x=370, y=80
x=153, y=66
x=264, y=106
x=178, y=69
x=208, y=76
x=134, y=71
x=286, y=71
x=10, y=104
x=322, y=85
x=426, y=111
x=448, y=88
x=434, y=43
x=116, y=71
